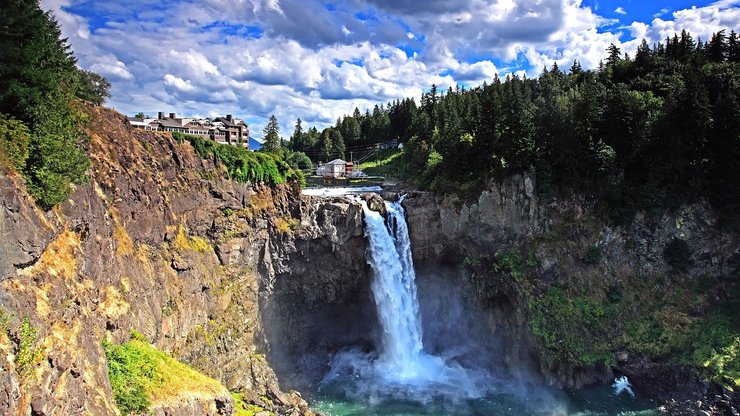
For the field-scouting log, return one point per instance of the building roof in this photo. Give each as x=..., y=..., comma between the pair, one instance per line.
x=336, y=162
x=170, y=122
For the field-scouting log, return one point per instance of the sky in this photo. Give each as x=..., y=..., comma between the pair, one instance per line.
x=318, y=60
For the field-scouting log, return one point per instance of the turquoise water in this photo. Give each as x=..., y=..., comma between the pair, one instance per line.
x=592, y=401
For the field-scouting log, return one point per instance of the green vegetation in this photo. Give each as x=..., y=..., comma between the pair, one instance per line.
x=271, y=136
x=513, y=264
x=141, y=375
x=572, y=327
x=651, y=316
x=130, y=369
x=716, y=349
x=24, y=339
x=15, y=139
x=27, y=356
x=184, y=241
x=241, y=408
x=593, y=255
x=243, y=165
x=386, y=163
x=39, y=86
x=299, y=161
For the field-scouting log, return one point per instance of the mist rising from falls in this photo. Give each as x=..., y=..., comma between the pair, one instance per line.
x=401, y=369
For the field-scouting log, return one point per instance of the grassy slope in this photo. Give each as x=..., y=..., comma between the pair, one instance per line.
x=143, y=376
x=388, y=163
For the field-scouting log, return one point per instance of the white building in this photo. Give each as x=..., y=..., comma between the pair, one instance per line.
x=335, y=168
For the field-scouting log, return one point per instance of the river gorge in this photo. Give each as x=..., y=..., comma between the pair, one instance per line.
x=499, y=304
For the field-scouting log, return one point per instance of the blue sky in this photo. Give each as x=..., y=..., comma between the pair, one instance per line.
x=318, y=60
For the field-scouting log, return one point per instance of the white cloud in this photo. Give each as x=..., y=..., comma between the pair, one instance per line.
x=178, y=83
x=111, y=68
x=302, y=60
x=620, y=10
x=661, y=12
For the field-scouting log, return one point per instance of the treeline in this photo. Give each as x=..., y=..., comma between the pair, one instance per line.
x=41, y=128
x=650, y=131
x=356, y=132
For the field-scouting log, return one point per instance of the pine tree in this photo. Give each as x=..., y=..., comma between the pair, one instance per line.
x=733, y=48
x=271, y=135
x=337, y=144
x=38, y=83
x=297, y=142
x=325, y=147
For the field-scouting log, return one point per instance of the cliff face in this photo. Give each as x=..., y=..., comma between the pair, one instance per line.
x=578, y=297
x=160, y=242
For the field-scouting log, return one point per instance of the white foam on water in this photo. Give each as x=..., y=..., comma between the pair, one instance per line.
x=621, y=385
x=331, y=192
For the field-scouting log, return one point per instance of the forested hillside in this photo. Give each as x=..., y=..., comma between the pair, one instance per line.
x=41, y=128
x=645, y=131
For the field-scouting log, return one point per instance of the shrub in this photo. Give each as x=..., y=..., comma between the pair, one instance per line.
x=299, y=161
x=15, y=139
x=571, y=327
x=244, y=165
x=141, y=374
x=27, y=357
x=129, y=370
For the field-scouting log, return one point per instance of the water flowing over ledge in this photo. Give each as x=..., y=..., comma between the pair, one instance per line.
x=330, y=192
x=402, y=369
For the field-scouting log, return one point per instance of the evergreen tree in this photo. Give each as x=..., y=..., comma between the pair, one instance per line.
x=39, y=81
x=271, y=135
x=92, y=87
x=733, y=48
x=325, y=146
x=297, y=142
x=337, y=144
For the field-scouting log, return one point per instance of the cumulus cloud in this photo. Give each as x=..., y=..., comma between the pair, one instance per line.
x=317, y=60
x=476, y=72
x=620, y=10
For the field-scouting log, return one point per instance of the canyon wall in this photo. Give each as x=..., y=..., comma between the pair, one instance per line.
x=578, y=297
x=222, y=275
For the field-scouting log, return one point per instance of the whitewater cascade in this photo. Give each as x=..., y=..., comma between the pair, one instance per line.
x=401, y=367
x=394, y=289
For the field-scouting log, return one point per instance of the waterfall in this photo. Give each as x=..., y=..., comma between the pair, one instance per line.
x=394, y=289
x=399, y=371
x=400, y=368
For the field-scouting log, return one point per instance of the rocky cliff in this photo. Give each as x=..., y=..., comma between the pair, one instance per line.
x=582, y=299
x=159, y=241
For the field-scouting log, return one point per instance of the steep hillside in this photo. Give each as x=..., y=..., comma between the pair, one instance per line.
x=158, y=241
